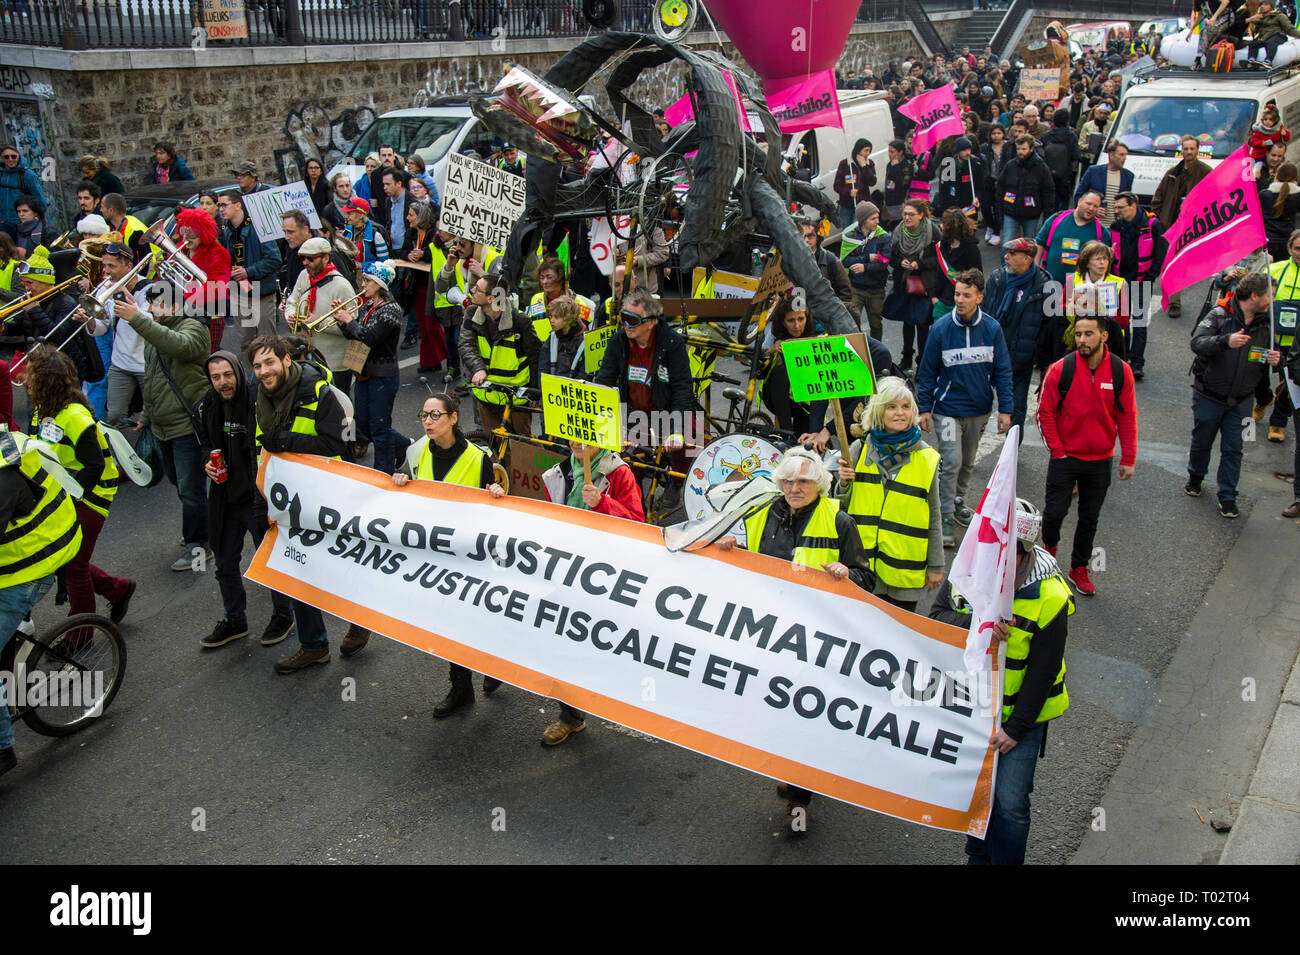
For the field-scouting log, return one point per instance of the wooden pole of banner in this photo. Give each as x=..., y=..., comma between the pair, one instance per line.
x=840, y=431
x=586, y=467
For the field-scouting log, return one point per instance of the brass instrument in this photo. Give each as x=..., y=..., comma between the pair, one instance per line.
x=176, y=267
x=97, y=304
x=61, y=240
x=92, y=248
x=329, y=319
x=31, y=298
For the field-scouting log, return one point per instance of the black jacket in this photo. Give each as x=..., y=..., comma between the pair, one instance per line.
x=1277, y=229
x=1061, y=151
x=1223, y=373
x=965, y=256
x=381, y=329
x=670, y=374
x=228, y=427
x=328, y=439
x=898, y=177
x=1025, y=324
x=960, y=183
x=1127, y=233
x=45, y=318
x=832, y=269
x=1026, y=188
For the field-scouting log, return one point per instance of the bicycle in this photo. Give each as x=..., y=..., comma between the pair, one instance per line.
x=68, y=676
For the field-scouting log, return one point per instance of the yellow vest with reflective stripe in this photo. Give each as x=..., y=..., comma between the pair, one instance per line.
x=819, y=544
x=304, y=416
x=1030, y=613
x=467, y=471
x=39, y=543
x=73, y=420
x=542, y=324
x=7, y=275
x=130, y=226
x=893, y=517
x=505, y=366
x=437, y=261
x=1287, y=276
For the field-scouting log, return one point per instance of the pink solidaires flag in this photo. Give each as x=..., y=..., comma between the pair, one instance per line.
x=937, y=116
x=681, y=111
x=1220, y=223
x=984, y=570
x=804, y=102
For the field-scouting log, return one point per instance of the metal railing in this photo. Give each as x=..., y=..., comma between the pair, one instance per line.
x=912, y=10
x=172, y=24
x=1010, y=21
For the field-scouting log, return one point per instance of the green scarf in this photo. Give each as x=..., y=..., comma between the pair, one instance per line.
x=575, y=490
x=275, y=411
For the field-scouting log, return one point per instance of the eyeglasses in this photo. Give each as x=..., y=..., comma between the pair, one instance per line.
x=431, y=415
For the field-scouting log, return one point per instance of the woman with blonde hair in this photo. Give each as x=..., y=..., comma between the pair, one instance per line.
x=1095, y=290
x=889, y=485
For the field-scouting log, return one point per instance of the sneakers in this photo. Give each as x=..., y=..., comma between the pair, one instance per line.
x=1193, y=486
x=949, y=538
x=1276, y=435
x=223, y=633
x=1082, y=582
x=410, y=341
x=277, y=628
x=994, y=238
x=1292, y=511
x=905, y=364
x=559, y=731
x=1228, y=509
x=1174, y=311
x=1138, y=374
x=118, y=608
x=453, y=701
x=355, y=641
x=188, y=557
x=490, y=685
x=963, y=514
x=988, y=235
x=302, y=660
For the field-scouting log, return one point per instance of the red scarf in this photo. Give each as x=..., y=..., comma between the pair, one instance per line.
x=315, y=283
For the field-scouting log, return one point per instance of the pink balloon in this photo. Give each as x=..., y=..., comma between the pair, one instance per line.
x=766, y=33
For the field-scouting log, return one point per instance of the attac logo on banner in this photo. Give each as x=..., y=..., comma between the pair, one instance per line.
x=266, y=207
x=480, y=203
x=1218, y=224
x=778, y=670
x=821, y=368
x=579, y=411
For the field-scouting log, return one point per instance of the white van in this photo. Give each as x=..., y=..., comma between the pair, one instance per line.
x=1219, y=109
x=446, y=125
x=866, y=116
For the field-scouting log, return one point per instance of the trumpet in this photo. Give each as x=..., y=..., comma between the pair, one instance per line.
x=177, y=267
x=330, y=318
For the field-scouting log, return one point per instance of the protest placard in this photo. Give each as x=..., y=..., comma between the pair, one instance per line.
x=528, y=463
x=580, y=411
x=224, y=19
x=266, y=207
x=594, y=344
x=825, y=368
x=773, y=279
x=1039, y=83
x=480, y=202
x=751, y=660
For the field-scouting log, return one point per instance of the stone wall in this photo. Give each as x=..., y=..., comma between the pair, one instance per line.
x=280, y=106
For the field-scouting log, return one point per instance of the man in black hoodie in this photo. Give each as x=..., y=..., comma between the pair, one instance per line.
x=235, y=505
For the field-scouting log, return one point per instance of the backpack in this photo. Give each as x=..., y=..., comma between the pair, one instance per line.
x=1057, y=156
x=1220, y=311
x=1116, y=377
x=1221, y=57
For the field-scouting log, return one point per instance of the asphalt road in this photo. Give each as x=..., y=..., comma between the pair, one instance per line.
x=284, y=770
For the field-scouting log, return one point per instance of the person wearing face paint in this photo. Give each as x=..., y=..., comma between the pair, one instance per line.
x=445, y=454
x=236, y=507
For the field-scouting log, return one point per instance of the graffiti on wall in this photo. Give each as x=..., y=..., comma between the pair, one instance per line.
x=315, y=135
x=458, y=76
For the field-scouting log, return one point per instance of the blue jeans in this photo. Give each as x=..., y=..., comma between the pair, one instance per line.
x=846, y=216
x=1008, y=833
x=1229, y=422
x=16, y=602
x=374, y=407
x=311, y=626
x=183, y=465
x=1011, y=225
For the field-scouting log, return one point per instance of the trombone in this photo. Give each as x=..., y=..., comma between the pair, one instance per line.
x=330, y=318
x=31, y=298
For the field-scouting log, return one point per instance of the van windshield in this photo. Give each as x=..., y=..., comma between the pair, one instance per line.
x=430, y=136
x=1153, y=126
x=1092, y=36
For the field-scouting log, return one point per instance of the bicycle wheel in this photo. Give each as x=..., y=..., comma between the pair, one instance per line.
x=759, y=419
x=80, y=664
x=500, y=473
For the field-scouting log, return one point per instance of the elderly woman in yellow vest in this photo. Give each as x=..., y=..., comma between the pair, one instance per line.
x=61, y=417
x=1096, y=290
x=444, y=454
x=807, y=528
x=890, y=487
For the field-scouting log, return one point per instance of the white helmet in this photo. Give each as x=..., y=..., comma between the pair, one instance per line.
x=1029, y=522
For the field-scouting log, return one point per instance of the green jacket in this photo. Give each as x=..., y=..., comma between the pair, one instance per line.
x=1272, y=25
x=183, y=343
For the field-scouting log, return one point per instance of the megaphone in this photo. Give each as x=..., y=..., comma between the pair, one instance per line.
x=674, y=19
x=456, y=295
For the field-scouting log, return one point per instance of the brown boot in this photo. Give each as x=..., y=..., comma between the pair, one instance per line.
x=1292, y=511
x=355, y=641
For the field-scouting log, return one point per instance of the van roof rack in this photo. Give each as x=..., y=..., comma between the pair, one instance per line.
x=1269, y=77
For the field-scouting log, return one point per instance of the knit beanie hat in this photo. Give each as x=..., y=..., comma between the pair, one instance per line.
x=865, y=210
x=37, y=266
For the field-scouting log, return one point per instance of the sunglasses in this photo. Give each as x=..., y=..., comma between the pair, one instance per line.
x=9, y=156
x=632, y=319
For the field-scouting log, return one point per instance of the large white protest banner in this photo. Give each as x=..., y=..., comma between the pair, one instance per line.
x=481, y=203
x=266, y=207
x=746, y=658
